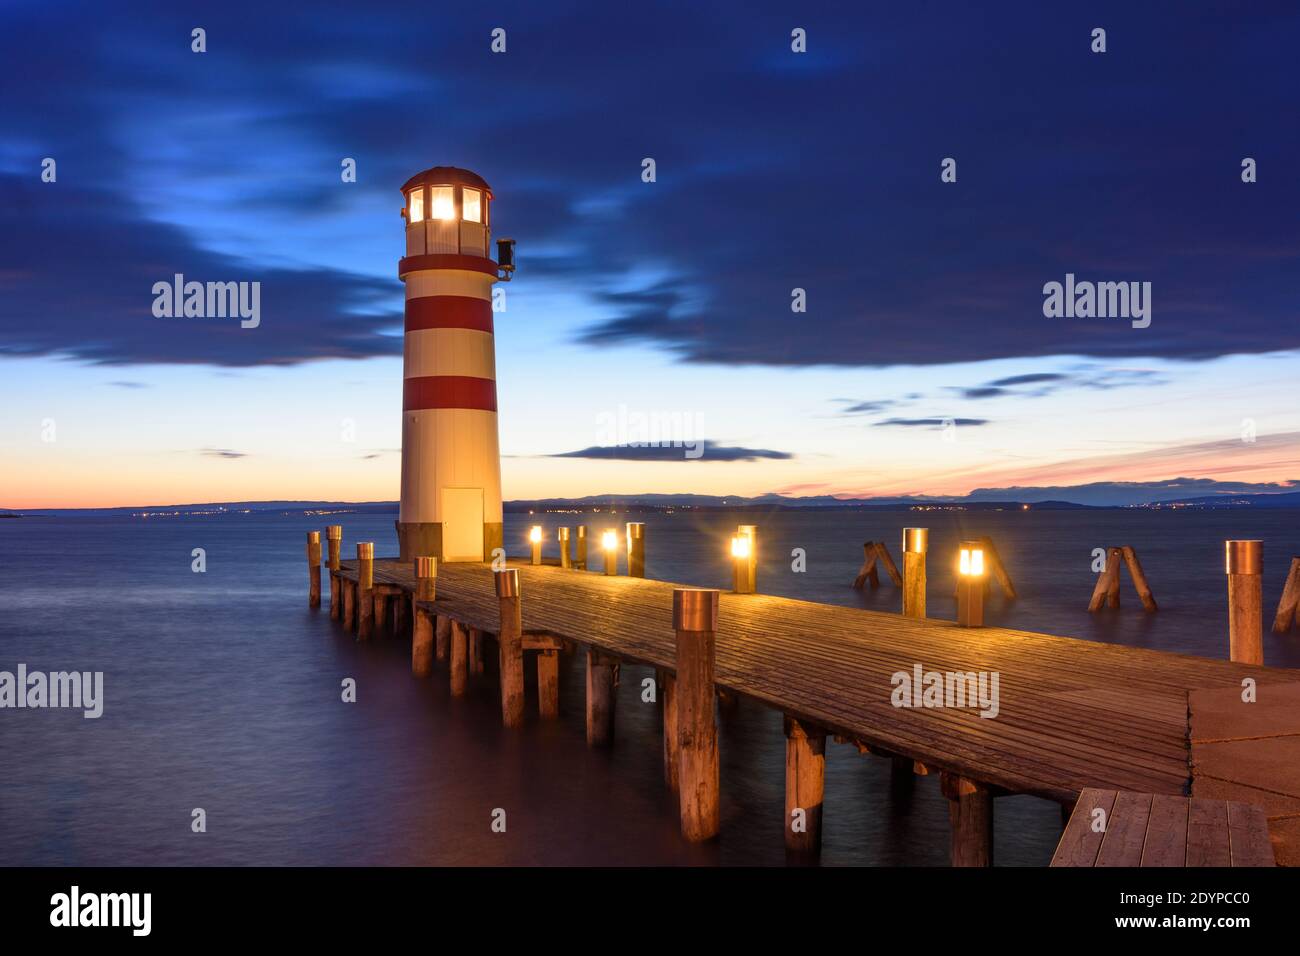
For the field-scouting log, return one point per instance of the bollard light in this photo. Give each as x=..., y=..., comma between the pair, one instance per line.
x=535, y=543
x=971, y=571
x=744, y=559
x=566, y=557
x=609, y=541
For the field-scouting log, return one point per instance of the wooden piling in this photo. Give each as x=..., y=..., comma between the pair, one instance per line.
x=334, y=541
x=580, y=557
x=381, y=611
x=1244, y=562
x=1139, y=578
x=602, y=688
x=993, y=562
x=916, y=542
x=566, y=555
x=970, y=815
x=548, y=684
x=695, y=620
x=475, y=651
x=510, y=647
x=1288, y=609
x=636, y=549
x=672, y=750
x=805, y=785
x=1107, y=586
x=459, y=659
x=442, y=637
x=422, y=630
x=313, y=569
x=349, y=605
x=868, y=570
x=365, y=589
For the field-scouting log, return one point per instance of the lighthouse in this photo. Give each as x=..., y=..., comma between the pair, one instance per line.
x=451, y=463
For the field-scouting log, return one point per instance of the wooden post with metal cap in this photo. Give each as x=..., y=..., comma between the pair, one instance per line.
x=426, y=589
x=636, y=549
x=510, y=647
x=313, y=569
x=334, y=540
x=916, y=542
x=695, y=621
x=365, y=589
x=1244, y=564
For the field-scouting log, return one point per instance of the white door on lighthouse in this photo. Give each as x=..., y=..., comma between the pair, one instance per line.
x=462, y=524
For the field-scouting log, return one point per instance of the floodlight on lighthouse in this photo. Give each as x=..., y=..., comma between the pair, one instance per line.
x=506, y=257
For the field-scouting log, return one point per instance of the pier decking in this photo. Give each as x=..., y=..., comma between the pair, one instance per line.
x=1071, y=715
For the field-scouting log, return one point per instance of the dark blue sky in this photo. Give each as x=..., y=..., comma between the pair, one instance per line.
x=775, y=170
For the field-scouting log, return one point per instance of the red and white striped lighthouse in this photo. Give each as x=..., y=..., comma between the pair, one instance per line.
x=451, y=464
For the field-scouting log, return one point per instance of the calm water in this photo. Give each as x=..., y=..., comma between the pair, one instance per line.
x=223, y=692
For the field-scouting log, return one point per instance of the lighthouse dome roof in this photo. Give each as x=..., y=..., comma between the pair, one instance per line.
x=447, y=176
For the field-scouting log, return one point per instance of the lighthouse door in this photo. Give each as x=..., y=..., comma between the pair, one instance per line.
x=462, y=524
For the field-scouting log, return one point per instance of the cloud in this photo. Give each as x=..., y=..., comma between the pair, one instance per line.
x=711, y=452
x=222, y=453
x=866, y=408
x=100, y=311
x=899, y=269
x=930, y=422
x=124, y=384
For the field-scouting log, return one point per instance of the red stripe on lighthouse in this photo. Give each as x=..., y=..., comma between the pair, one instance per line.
x=449, y=391
x=448, y=312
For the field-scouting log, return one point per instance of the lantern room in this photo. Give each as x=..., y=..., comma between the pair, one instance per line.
x=447, y=213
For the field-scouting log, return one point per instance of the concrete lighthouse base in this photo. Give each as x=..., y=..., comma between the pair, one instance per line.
x=424, y=539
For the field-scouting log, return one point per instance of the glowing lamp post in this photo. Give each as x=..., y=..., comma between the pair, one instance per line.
x=744, y=559
x=609, y=541
x=971, y=571
x=535, y=543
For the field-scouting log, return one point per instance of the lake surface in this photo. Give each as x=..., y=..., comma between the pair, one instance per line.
x=222, y=692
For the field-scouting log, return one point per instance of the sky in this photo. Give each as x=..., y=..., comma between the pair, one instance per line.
x=924, y=362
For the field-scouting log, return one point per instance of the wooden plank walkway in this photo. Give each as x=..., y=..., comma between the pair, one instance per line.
x=1143, y=829
x=1072, y=714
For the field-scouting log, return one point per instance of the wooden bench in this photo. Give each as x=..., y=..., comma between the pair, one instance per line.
x=1144, y=829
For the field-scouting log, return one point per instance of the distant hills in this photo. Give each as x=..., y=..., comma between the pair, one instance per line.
x=1108, y=495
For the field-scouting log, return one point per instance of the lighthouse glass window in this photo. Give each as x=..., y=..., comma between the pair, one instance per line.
x=471, y=205
x=417, y=205
x=440, y=203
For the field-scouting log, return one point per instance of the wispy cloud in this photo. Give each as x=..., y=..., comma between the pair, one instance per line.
x=709, y=452
x=222, y=453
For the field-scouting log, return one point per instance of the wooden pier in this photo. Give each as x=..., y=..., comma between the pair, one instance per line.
x=1072, y=714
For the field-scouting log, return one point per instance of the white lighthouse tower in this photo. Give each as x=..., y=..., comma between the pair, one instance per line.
x=451, y=463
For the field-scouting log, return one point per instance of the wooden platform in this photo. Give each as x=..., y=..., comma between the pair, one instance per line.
x=1110, y=828
x=1072, y=714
